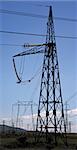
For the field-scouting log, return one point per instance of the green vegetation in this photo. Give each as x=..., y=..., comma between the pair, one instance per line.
x=29, y=140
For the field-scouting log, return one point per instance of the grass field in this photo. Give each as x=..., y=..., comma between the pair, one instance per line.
x=26, y=141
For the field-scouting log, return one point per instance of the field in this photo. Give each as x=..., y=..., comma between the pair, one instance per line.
x=27, y=141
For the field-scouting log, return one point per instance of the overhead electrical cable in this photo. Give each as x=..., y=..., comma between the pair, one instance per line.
x=21, y=13
x=20, y=73
x=65, y=19
x=67, y=37
x=71, y=98
x=5, y=11
x=34, y=34
x=21, y=70
x=10, y=44
x=38, y=5
x=73, y=116
x=22, y=33
x=33, y=77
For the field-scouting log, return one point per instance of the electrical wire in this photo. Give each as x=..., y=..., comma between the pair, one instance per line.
x=38, y=5
x=65, y=19
x=70, y=98
x=22, y=33
x=19, y=75
x=22, y=63
x=33, y=77
x=72, y=116
x=35, y=15
x=10, y=44
x=66, y=37
x=35, y=34
x=21, y=13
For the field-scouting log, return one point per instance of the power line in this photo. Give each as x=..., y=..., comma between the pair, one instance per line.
x=22, y=33
x=34, y=34
x=35, y=15
x=71, y=97
x=66, y=19
x=10, y=44
x=66, y=37
x=39, y=5
x=21, y=13
x=73, y=116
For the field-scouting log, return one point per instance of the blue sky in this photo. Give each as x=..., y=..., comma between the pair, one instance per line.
x=10, y=92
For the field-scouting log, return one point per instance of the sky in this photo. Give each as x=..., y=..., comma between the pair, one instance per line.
x=10, y=91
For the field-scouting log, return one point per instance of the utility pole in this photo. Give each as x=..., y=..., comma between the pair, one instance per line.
x=66, y=117
x=18, y=114
x=3, y=126
x=69, y=126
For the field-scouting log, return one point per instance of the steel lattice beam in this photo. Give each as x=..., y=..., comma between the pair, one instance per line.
x=50, y=100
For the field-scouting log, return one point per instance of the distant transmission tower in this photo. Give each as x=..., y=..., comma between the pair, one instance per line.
x=50, y=110
x=25, y=104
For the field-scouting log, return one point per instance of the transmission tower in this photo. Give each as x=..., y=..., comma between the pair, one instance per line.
x=50, y=116
x=25, y=104
x=50, y=100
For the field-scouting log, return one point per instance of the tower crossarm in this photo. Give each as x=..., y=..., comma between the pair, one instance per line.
x=34, y=50
x=33, y=45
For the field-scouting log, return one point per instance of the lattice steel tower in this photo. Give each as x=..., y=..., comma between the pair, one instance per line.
x=50, y=110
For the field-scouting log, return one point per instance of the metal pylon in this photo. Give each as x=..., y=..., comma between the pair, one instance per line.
x=50, y=110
